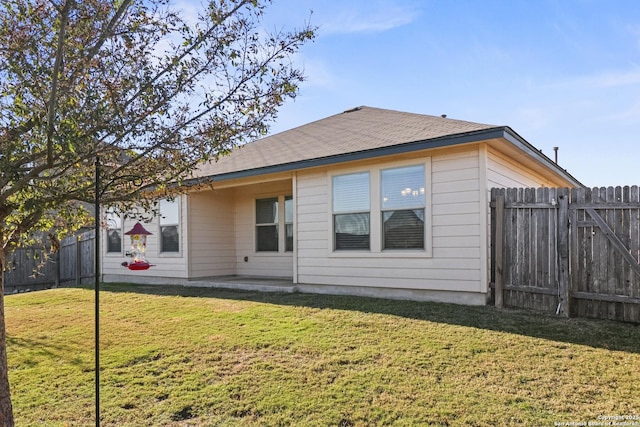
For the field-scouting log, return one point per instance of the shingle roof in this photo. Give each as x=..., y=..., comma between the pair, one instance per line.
x=357, y=130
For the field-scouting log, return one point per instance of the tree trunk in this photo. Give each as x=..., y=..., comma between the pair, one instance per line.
x=6, y=410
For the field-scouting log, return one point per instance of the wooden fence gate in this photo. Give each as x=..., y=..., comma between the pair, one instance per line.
x=30, y=270
x=575, y=252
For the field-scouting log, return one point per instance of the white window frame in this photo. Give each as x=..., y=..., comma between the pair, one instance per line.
x=108, y=213
x=408, y=207
x=375, y=223
x=164, y=254
x=335, y=211
x=276, y=223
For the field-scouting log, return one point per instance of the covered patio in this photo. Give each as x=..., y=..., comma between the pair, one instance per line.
x=245, y=283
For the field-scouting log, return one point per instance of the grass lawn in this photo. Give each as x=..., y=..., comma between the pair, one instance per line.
x=175, y=356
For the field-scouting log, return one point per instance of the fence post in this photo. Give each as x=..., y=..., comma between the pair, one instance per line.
x=499, y=248
x=564, y=288
x=57, y=261
x=77, y=242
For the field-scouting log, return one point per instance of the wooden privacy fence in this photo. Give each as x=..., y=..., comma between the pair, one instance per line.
x=575, y=252
x=32, y=269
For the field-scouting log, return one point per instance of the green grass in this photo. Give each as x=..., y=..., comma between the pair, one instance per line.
x=201, y=357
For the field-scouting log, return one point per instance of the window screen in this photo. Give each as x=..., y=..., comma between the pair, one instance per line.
x=351, y=206
x=267, y=225
x=169, y=226
x=403, y=202
x=114, y=231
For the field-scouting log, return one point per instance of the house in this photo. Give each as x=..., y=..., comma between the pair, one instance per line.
x=366, y=202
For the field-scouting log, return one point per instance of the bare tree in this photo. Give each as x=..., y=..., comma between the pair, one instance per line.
x=134, y=83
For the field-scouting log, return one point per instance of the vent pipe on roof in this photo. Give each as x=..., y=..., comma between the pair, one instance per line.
x=352, y=110
x=555, y=150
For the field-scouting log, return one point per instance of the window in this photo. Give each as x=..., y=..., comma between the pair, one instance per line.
x=288, y=223
x=403, y=207
x=114, y=231
x=274, y=225
x=267, y=225
x=169, y=226
x=383, y=211
x=351, y=211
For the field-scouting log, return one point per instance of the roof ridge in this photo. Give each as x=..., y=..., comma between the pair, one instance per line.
x=410, y=113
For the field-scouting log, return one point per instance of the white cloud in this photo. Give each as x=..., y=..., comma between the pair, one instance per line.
x=189, y=10
x=535, y=117
x=613, y=79
x=317, y=73
x=602, y=80
x=634, y=30
x=628, y=115
x=369, y=18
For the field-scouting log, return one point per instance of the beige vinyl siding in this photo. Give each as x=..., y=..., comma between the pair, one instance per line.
x=456, y=217
x=313, y=227
x=503, y=172
x=263, y=264
x=211, y=233
x=169, y=265
x=453, y=265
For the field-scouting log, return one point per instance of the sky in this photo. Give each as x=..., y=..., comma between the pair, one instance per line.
x=561, y=73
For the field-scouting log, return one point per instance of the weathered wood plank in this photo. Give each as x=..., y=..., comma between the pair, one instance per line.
x=546, y=242
x=522, y=242
x=618, y=231
x=492, y=234
x=599, y=239
x=539, y=246
x=532, y=290
x=633, y=314
x=608, y=216
x=594, y=205
x=606, y=297
x=511, y=256
x=617, y=244
x=522, y=264
x=563, y=247
x=601, y=262
x=499, y=250
x=582, y=308
x=625, y=267
x=553, y=241
x=530, y=247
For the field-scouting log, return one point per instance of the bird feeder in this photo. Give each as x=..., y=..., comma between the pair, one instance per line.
x=138, y=248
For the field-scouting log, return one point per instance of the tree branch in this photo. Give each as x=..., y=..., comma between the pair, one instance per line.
x=57, y=71
x=201, y=39
x=105, y=34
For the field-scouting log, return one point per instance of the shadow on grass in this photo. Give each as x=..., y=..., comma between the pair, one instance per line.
x=42, y=348
x=589, y=332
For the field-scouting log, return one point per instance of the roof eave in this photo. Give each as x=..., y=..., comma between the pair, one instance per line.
x=519, y=142
x=443, y=141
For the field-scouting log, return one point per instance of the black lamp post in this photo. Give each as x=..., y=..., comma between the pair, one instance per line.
x=138, y=236
x=97, y=290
